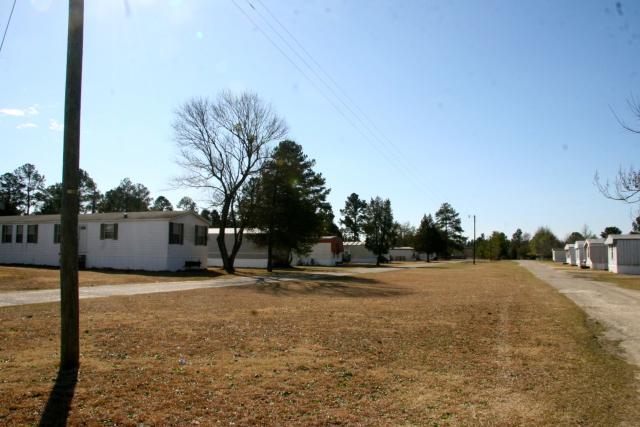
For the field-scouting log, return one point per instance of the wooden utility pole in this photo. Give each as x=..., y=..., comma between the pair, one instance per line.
x=474, y=239
x=69, y=305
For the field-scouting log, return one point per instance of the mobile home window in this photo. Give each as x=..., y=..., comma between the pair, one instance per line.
x=108, y=231
x=32, y=233
x=176, y=233
x=6, y=233
x=56, y=233
x=201, y=235
x=19, y=233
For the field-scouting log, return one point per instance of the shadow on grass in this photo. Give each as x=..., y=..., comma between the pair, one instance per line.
x=58, y=405
x=352, y=287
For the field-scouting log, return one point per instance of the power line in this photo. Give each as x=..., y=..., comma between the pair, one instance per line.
x=370, y=127
x=313, y=83
x=8, y=22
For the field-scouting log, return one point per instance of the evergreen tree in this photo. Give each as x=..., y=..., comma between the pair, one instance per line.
x=543, y=241
x=498, y=245
x=428, y=238
x=610, y=230
x=353, y=217
x=51, y=199
x=448, y=220
x=187, y=204
x=126, y=197
x=90, y=197
x=574, y=237
x=162, y=204
x=379, y=227
x=288, y=201
x=32, y=183
x=11, y=194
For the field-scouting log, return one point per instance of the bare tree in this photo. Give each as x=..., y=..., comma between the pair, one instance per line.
x=626, y=187
x=222, y=144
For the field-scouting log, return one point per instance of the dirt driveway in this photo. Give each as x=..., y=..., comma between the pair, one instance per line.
x=617, y=308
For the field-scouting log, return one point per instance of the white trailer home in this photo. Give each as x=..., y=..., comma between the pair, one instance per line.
x=559, y=255
x=404, y=253
x=580, y=258
x=357, y=253
x=570, y=252
x=154, y=241
x=623, y=253
x=328, y=251
x=595, y=252
x=250, y=254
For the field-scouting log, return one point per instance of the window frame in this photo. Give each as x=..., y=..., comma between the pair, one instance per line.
x=106, y=234
x=32, y=237
x=174, y=237
x=20, y=228
x=57, y=234
x=5, y=235
x=201, y=240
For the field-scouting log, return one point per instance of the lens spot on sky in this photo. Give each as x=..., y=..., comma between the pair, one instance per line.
x=41, y=5
x=565, y=147
x=199, y=35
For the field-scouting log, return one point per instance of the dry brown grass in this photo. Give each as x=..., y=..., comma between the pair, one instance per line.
x=483, y=345
x=13, y=278
x=627, y=281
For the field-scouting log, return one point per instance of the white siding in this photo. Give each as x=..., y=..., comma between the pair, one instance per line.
x=320, y=255
x=250, y=254
x=559, y=255
x=45, y=252
x=177, y=255
x=624, y=256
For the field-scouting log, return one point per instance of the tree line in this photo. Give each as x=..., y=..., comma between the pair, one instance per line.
x=24, y=191
x=523, y=245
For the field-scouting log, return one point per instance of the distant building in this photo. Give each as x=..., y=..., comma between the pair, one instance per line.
x=570, y=254
x=623, y=253
x=405, y=253
x=559, y=255
x=581, y=260
x=596, y=254
x=328, y=251
x=249, y=255
x=357, y=253
x=154, y=241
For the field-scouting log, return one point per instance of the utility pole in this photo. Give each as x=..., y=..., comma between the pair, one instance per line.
x=474, y=237
x=69, y=304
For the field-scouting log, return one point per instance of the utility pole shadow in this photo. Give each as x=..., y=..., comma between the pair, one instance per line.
x=58, y=406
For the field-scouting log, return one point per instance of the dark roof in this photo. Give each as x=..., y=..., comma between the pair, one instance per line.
x=111, y=216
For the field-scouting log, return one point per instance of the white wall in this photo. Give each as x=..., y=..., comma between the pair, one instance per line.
x=320, y=255
x=141, y=245
x=45, y=252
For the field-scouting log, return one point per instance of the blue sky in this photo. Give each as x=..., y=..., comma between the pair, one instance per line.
x=501, y=108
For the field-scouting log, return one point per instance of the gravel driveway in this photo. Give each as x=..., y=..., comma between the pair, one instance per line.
x=617, y=308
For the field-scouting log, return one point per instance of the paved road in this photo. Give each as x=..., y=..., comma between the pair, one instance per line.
x=616, y=308
x=53, y=295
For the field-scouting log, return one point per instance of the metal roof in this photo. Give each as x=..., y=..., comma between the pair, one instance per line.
x=613, y=237
x=110, y=216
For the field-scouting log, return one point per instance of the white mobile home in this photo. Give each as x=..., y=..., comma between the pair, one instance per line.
x=357, y=253
x=623, y=253
x=570, y=252
x=595, y=252
x=250, y=254
x=559, y=255
x=154, y=241
x=405, y=253
x=328, y=251
x=580, y=258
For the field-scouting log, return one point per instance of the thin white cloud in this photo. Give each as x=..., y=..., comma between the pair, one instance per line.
x=26, y=126
x=54, y=125
x=17, y=112
x=12, y=111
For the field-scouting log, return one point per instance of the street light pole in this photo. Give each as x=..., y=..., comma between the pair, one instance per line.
x=69, y=304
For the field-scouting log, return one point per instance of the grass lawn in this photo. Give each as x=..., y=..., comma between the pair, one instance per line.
x=13, y=278
x=628, y=281
x=453, y=345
